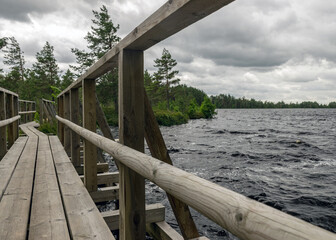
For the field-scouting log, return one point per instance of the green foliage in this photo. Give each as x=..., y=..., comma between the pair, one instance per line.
x=3, y=42
x=67, y=79
x=55, y=91
x=165, y=74
x=169, y=118
x=49, y=127
x=207, y=108
x=194, y=110
x=37, y=117
x=111, y=115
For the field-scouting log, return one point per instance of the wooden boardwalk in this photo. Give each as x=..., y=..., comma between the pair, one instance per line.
x=42, y=196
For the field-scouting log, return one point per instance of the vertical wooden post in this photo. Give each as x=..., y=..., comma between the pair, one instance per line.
x=41, y=111
x=89, y=122
x=33, y=109
x=3, y=138
x=16, y=113
x=74, y=117
x=10, y=114
x=24, y=110
x=131, y=133
x=67, y=140
x=60, y=126
x=30, y=108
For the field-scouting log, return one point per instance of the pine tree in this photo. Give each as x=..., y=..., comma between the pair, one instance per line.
x=165, y=73
x=3, y=42
x=67, y=79
x=46, y=70
x=100, y=39
x=14, y=58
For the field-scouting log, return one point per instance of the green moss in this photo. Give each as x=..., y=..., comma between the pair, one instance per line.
x=169, y=118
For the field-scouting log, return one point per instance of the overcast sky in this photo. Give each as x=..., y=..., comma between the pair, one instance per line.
x=267, y=50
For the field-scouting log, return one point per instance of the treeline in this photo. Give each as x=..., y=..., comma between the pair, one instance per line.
x=172, y=103
x=228, y=101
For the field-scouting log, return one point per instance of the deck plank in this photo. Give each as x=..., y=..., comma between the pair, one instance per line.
x=15, y=203
x=47, y=219
x=8, y=163
x=84, y=219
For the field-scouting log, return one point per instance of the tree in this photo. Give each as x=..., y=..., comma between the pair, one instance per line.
x=14, y=57
x=45, y=71
x=100, y=39
x=3, y=42
x=207, y=108
x=67, y=79
x=165, y=73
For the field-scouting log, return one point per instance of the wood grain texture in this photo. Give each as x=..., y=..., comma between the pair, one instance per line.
x=154, y=213
x=105, y=194
x=3, y=128
x=131, y=133
x=60, y=126
x=243, y=217
x=10, y=114
x=159, y=150
x=15, y=203
x=47, y=219
x=8, y=163
x=89, y=122
x=107, y=178
x=163, y=231
x=67, y=132
x=84, y=219
x=101, y=168
x=74, y=117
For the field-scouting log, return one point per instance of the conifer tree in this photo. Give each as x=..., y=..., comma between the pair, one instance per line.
x=14, y=58
x=165, y=72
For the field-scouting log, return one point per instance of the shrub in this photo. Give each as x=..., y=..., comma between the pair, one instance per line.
x=207, y=108
x=49, y=127
x=169, y=118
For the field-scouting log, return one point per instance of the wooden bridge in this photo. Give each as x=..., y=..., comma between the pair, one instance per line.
x=48, y=190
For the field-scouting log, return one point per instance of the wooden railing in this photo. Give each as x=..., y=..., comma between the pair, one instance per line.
x=9, y=116
x=243, y=217
x=27, y=110
x=47, y=111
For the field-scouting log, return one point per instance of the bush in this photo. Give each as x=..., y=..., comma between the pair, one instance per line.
x=207, y=108
x=169, y=118
x=49, y=127
x=193, y=110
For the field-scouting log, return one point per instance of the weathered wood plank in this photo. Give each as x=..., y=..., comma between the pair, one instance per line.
x=47, y=220
x=10, y=114
x=16, y=113
x=67, y=132
x=101, y=168
x=89, y=122
x=8, y=92
x=154, y=213
x=15, y=203
x=131, y=131
x=3, y=129
x=159, y=150
x=8, y=163
x=172, y=17
x=74, y=116
x=84, y=219
x=162, y=231
x=105, y=194
x=245, y=218
x=107, y=178
x=60, y=126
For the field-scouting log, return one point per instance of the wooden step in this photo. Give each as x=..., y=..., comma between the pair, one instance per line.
x=154, y=213
x=101, y=168
x=105, y=194
x=107, y=178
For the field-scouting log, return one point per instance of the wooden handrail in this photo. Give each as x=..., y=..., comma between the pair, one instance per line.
x=243, y=217
x=27, y=101
x=27, y=112
x=8, y=92
x=9, y=121
x=169, y=19
x=46, y=100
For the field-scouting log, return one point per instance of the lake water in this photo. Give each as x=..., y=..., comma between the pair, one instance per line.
x=285, y=158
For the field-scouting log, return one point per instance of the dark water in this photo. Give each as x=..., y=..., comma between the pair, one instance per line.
x=284, y=158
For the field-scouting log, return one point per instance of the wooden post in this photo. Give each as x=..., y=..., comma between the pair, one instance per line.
x=131, y=133
x=33, y=109
x=41, y=111
x=3, y=138
x=74, y=117
x=16, y=113
x=159, y=150
x=10, y=114
x=89, y=122
x=60, y=126
x=30, y=108
x=67, y=140
x=25, y=115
